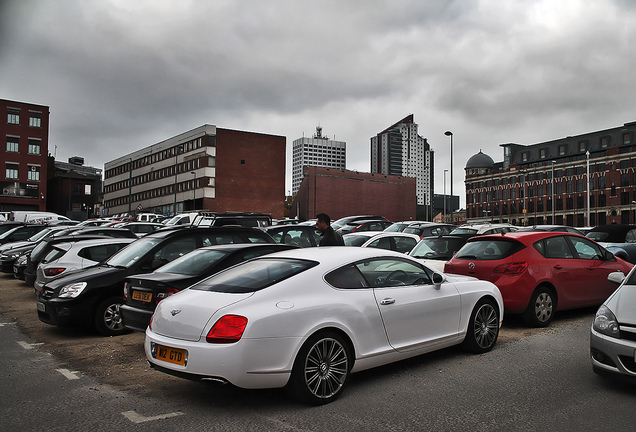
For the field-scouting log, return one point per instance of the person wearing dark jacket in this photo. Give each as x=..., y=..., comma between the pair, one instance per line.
x=329, y=236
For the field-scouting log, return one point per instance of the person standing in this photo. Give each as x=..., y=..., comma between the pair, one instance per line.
x=329, y=236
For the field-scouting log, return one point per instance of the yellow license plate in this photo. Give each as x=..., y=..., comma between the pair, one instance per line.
x=171, y=355
x=142, y=296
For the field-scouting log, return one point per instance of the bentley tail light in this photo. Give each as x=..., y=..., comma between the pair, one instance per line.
x=228, y=329
x=511, y=269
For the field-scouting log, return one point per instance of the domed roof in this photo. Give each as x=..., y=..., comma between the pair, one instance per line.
x=480, y=160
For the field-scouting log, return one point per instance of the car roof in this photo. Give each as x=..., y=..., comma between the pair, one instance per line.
x=232, y=247
x=522, y=236
x=334, y=256
x=96, y=242
x=615, y=228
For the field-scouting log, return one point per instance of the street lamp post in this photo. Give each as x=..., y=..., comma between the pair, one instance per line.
x=444, y=213
x=194, y=190
x=587, y=178
x=552, y=189
x=450, y=134
x=130, y=167
x=630, y=212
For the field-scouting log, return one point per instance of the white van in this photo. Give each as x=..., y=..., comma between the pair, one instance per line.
x=145, y=217
x=35, y=216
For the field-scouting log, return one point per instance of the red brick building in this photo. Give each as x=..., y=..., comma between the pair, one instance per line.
x=25, y=131
x=207, y=168
x=342, y=193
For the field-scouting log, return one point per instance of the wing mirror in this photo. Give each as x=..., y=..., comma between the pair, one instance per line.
x=617, y=277
x=437, y=280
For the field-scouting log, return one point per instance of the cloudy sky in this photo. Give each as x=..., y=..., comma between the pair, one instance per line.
x=120, y=75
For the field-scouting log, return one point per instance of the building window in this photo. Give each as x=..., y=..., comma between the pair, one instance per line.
x=13, y=144
x=34, y=173
x=582, y=146
x=627, y=138
x=561, y=150
x=34, y=146
x=35, y=119
x=12, y=170
x=87, y=189
x=542, y=153
x=13, y=116
x=605, y=142
x=524, y=156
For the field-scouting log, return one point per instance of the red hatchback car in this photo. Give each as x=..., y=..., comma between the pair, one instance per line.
x=539, y=273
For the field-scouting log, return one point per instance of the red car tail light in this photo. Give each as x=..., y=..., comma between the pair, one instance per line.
x=511, y=269
x=228, y=329
x=54, y=271
x=168, y=293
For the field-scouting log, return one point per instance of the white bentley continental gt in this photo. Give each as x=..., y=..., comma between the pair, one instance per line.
x=305, y=319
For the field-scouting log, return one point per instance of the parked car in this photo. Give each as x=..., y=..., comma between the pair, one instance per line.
x=9, y=225
x=9, y=252
x=558, y=228
x=19, y=265
x=434, y=251
x=399, y=226
x=613, y=332
x=20, y=233
x=65, y=257
x=92, y=296
x=397, y=241
x=487, y=228
x=43, y=247
x=306, y=319
x=140, y=229
x=618, y=239
x=430, y=229
x=363, y=225
x=345, y=220
x=540, y=272
x=297, y=235
x=143, y=292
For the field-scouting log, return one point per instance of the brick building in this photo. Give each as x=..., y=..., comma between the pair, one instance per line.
x=340, y=193
x=557, y=182
x=75, y=190
x=24, y=156
x=207, y=168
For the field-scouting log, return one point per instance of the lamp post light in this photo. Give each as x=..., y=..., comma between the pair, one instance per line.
x=194, y=190
x=552, y=189
x=450, y=134
x=444, y=212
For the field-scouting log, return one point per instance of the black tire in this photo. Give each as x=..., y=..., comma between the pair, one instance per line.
x=108, y=321
x=483, y=327
x=321, y=369
x=541, y=308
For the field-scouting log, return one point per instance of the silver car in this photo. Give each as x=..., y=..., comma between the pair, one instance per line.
x=613, y=333
x=65, y=257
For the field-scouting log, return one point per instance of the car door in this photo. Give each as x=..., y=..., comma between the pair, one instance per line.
x=568, y=274
x=416, y=314
x=596, y=268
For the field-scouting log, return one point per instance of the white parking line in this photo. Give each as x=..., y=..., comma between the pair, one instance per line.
x=29, y=346
x=2, y=324
x=138, y=418
x=68, y=374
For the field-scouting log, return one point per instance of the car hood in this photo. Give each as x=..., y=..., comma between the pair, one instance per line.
x=623, y=304
x=86, y=274
x=185, y=315
x=15, y=246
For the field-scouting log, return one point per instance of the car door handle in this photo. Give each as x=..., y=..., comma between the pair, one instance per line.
x=387, y=301
x=558, y=266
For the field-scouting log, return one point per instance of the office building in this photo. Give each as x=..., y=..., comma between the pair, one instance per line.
x=207, y=168
x=317, y=151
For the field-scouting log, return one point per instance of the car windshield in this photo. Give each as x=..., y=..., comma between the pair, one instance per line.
x=463, y=231
x=437, y=248
x=194, y=263
x=488, y=249
x=598, y=236
x=355, y=240
x=254, y=275
x=132, y=253
x=40, y=235
x=396, y=227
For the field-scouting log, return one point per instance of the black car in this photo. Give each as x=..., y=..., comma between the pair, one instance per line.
x=440, y=248
x=620, y=239
x=19, y=265
x=296, y=235
x=143, y=292
x=345, y=220
x=20, y=232
x=44, y=246
x=92, y=296
x=430, y=229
